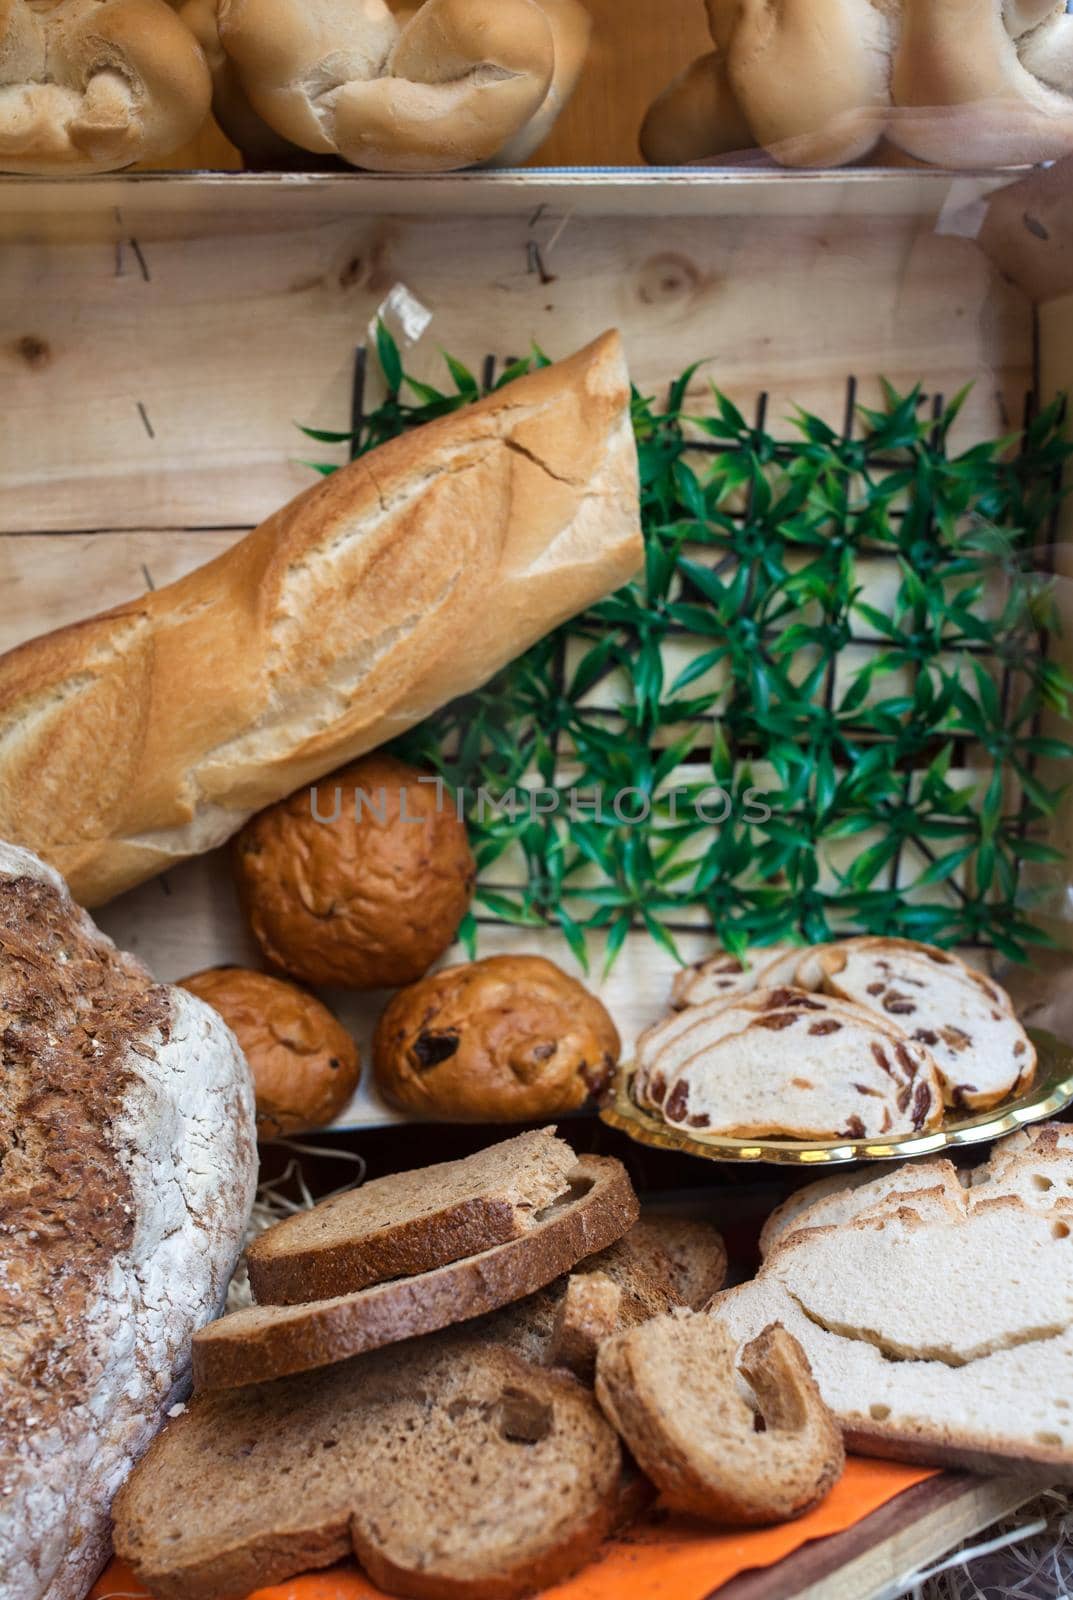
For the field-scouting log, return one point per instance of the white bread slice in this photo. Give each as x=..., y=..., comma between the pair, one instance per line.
x=937, y=1332
x=982, y=1052
x=783, y=1063
x=833, y=1201
x=722, y=975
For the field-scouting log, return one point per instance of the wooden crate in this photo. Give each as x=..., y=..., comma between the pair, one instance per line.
x=162, y=336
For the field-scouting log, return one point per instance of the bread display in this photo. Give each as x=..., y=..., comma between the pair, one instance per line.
x=449, y=1467
x=266, y=1342
x=504, y=1039
x=788, y=1063
x=938, y=1320
x=670, y=1389
x=361, y=882
x=960, y=83
x=93, y=85
x=441, y=85
x=128, y=1169
x=148, y=734
x=305, y=1064
x=411, y=1222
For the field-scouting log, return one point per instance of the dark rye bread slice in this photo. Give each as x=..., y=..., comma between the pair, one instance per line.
x=266, y=1342
x=411, y=1222
x=452, y=1469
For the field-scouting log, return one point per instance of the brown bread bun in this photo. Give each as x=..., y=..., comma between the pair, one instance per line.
x=506, y=1039
x=305, y=1064
x=369, y=897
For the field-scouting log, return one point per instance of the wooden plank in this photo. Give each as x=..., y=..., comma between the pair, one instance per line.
x=50, y=580
x=159, y=387
x=873, y=1560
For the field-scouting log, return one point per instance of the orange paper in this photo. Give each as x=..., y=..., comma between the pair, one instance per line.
x=660, y=1558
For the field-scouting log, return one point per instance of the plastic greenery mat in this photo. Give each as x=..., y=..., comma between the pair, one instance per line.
x=819, y=709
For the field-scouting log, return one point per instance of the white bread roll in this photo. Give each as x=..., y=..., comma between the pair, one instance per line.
x=813, y=76
x=148, y=734
x=959, y=83
x=963, y=95
x=571, y=30
x=448, y=84
x=92, y=85
x=696, y=117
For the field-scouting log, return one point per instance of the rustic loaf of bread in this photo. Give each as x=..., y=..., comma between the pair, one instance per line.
x=150, y=733
x=938, y=1323
x=128, y=1167
x=92, y=85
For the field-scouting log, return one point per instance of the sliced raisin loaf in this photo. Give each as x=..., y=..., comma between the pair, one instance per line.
x=982, y=1051
x=721, y=975
x=784, y=1063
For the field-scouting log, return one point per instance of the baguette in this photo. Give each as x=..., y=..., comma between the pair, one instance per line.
x=150, y=733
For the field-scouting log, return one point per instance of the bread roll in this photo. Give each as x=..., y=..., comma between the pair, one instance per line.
x=813, y=76
x=963, y=94
x=961, y=83
x=448, y=84
x=148, y=734
x=696, y=117
x=92, y=85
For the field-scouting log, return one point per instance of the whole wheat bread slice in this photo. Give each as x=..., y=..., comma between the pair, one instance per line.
x=670, y=1389
x=453, y=1470
x=411, y=1222
x=266, y=1342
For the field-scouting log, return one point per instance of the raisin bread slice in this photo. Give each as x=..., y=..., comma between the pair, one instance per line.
x=802, y=1067
x=669, y=1043
x=721, y=976
x=448, y=1466
x=937, y=1333
x=982, y=1051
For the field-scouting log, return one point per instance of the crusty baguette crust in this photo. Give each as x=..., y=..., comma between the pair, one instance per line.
x=266, y=1342
x=148, y=734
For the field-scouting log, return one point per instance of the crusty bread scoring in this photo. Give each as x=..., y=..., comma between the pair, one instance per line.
x=92, y=85
x=127, y=1138
x=135, y=739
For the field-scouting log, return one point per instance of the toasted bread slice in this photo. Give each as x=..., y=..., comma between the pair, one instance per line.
x=670, y=1388
x=982, y=1052
x=449, y=1467
x=411, y=1222
x=266, y=1342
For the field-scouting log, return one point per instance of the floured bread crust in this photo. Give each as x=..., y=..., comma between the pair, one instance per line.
x=127, y=1168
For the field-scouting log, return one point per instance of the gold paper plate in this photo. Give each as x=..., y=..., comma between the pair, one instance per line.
x=1051, y=1093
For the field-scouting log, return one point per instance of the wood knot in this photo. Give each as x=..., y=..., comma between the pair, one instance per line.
x=668, y=277
x=34, y=351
